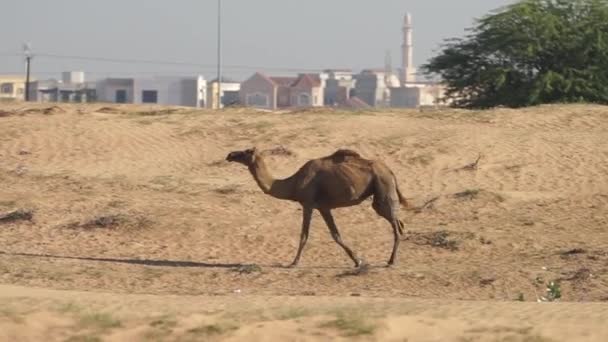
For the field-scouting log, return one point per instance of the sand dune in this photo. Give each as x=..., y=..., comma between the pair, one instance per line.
x=139, y=200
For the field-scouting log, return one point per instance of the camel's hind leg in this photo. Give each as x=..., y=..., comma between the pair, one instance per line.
x=333, y=229
x=386, y=204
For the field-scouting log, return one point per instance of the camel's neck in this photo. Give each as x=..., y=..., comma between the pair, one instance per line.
x=278, y=188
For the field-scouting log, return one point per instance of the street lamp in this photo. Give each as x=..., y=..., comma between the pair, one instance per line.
x=27, y=51
x=219, y=54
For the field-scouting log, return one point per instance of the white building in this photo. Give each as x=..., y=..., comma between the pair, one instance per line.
x=115, y=90
x=163, y=90
x=417, y=96
x=229, y=93
x=71, y=88
x=408, y=71
x=166, y=90
x=372, y=87
x=412, y=93
x=338, y=87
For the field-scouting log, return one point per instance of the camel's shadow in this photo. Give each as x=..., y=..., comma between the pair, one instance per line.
x=146, y=262
x=194, y=264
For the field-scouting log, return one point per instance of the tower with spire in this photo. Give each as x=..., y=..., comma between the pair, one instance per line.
x=408, y=72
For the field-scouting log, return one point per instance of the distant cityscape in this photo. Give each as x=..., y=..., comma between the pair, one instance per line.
x=333, y=87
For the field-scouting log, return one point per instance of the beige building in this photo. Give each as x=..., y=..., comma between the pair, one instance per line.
x=261, y=91
x=307, y=91
x=12, y=88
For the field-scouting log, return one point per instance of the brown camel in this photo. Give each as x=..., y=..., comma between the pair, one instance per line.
x=342, y=179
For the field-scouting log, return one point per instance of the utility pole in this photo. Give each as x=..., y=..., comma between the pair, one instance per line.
x=219, y=54
x=27, y=51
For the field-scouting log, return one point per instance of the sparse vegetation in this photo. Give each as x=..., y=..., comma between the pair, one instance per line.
x=248, y=269
x=553, y=292
x=227, y=189
x=441, y=239
x=17, y=215
x=468, y=194
x=422, y=159
x=293, y=313
x=161, y=328
x=112, y=221
x=98, y=321
x=213, y=329
x=350, y=325
x=83, y=338
x=278, y=151
x=156, y=112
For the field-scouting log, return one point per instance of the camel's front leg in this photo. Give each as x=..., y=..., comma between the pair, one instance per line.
x=333, y=229
x=306, y=217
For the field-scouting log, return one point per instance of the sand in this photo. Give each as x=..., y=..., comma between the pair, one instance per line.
x=136, y=216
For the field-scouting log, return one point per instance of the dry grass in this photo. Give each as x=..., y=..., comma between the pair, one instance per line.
x=350, y=325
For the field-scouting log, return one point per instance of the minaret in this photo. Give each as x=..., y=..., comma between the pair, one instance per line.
x=408, y=70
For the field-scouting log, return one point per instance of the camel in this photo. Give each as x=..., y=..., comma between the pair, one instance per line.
x=342, y=179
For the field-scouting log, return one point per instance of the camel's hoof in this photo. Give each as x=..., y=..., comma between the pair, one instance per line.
x=292, y=265
x=390, y=263
x=359, y=263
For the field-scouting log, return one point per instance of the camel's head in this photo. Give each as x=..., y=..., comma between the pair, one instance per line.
x=246, y=157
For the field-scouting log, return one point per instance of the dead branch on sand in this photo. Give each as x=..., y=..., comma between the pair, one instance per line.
x=472, y=166
x=430, y=204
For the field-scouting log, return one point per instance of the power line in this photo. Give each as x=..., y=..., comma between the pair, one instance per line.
x=173, y=63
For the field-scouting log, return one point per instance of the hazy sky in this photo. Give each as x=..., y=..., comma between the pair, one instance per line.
x=257, y=34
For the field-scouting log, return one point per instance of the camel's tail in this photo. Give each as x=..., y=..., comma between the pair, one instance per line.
x=404, y=203
x=402, y=199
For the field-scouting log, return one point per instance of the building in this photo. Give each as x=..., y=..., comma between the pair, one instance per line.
x=339, y=86
x=12, y=88
x=230, y=93
x=169, y=90
x=266, y=92
x=259, y=91
x=408, y=71
x=71, y=88
x=307, y=91
x=411, y=93
x=417, y=96
x=372, y=87
x=116, y=90
x=163, y=90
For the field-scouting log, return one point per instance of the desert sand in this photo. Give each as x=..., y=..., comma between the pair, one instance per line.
x=126, y=223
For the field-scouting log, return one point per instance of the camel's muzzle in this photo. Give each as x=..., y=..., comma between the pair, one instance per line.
x=234, y=156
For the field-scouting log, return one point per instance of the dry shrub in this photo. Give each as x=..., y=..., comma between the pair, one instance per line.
x=440, y=239
x=108, y=110
x=4, y=113
x=112, y=221
x=46, y=111
x=17, y=215
x=278, y=151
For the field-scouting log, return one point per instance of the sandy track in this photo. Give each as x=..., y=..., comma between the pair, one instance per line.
x=57, y=315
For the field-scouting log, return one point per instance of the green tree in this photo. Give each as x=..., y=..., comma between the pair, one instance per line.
x=529, y=53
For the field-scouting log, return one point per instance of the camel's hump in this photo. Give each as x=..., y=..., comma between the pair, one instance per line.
x=341, y=154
